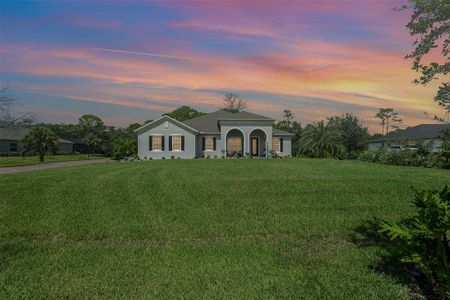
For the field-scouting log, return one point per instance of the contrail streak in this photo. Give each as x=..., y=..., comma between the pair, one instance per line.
x=164, y=56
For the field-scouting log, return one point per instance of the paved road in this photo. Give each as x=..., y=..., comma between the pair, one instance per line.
x=19, y=169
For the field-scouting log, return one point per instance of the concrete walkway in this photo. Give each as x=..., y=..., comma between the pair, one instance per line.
x=20, y=169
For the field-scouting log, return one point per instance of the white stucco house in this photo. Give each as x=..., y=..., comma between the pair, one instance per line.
x=216, y=134
x=409, y=137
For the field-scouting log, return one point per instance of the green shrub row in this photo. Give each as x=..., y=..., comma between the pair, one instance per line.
x=406, y=157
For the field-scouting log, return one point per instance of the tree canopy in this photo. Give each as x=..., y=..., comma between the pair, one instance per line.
x=184, y=113
x=430, y=24
x=289, y=124
x=40, y=139
x=388, y=119
x=320, y=139
x=354, y=135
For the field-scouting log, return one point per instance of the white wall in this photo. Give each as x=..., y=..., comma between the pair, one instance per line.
x=166, y=128
x=246, y=129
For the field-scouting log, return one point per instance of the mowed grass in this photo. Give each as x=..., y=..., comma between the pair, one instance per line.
x=202, y=229
x=11, y=161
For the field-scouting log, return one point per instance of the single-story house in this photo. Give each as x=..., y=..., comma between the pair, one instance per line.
x=216, y=134
x=409, y=137
x=11, y=137
x=80, y=146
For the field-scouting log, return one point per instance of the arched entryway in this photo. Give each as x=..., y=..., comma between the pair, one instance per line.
x=258, y=143
x=235, y=143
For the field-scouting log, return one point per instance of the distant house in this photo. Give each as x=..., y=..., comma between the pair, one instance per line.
x=220, y=133
x=80, y=146
x=409, y=137
x=11, y=137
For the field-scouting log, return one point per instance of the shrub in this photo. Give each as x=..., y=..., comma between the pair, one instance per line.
x=425, y=238
x=367, y=156
x=123, y=148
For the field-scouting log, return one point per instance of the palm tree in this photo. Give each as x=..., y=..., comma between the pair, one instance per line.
x=320, y=139
x=40, y=139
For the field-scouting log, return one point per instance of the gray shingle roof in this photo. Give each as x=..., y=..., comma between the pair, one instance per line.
x=424, y=131
x=210, y=122
x=13, y=133
x=18, y=133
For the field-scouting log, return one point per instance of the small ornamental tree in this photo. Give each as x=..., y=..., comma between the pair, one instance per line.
x=40, y=140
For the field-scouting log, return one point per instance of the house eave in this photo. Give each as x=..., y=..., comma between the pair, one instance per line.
x=149, y=125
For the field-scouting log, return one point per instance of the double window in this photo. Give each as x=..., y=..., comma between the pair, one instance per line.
x=156, y=143
x=277, y=144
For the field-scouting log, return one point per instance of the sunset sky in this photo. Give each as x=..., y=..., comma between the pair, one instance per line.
x=132, y=61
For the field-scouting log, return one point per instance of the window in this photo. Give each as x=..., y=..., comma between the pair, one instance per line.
x=276, y=144
x=157, y=143
x=13, y=147
x=209, y=143
x=234, y=144
x=176, y=143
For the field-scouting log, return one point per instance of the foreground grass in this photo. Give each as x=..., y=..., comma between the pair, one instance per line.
x=11, y=161
x=201, y=229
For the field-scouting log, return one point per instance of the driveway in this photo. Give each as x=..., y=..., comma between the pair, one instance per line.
x=20, y=169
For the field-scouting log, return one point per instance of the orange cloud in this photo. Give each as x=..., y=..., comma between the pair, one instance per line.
x=343, y=74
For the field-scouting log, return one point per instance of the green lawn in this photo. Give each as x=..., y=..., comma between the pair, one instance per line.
x=202, y=229
x=11, y=161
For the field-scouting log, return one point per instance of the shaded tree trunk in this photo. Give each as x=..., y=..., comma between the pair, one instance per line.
x=41, y=156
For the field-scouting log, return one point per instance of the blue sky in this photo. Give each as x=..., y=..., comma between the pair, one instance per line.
x=132, y=61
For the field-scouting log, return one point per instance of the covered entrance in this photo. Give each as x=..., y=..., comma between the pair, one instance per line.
x=258, y=143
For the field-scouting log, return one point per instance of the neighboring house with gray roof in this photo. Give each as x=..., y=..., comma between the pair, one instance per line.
x=219, y=133
x=11, y=137
x=408, y=138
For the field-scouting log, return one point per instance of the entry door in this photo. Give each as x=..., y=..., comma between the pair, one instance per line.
x=255, y=147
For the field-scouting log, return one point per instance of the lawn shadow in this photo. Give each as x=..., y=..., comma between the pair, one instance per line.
x=390, y=254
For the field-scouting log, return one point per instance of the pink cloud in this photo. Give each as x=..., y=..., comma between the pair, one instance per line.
x=331, y=71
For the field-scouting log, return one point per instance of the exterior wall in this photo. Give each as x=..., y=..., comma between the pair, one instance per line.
x=65, y=147
x=5, y=146
x=287, y=146
x=374, y=146
x=219, y=146
x=166, y=128
x=246, y=128
x=436, y=144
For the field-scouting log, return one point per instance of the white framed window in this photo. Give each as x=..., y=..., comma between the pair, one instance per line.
x=176, y=143
x=209, y=143
x=276, y=145
x=157, y=142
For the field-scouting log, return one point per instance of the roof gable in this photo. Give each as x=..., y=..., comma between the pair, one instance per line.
x=158, y=121
x=209, y=123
